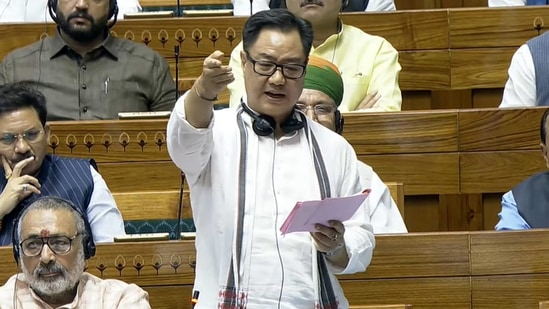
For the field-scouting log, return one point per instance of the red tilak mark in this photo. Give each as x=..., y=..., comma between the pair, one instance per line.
x=44, y=233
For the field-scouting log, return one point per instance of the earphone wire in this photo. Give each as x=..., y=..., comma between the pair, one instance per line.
x=15, y=285
x=282, y=275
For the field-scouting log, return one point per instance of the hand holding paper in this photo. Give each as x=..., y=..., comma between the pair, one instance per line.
x=305, y=215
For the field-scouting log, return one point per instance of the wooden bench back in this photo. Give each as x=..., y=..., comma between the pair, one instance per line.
x=450, y=58
x=484, y=270
x=452, y=162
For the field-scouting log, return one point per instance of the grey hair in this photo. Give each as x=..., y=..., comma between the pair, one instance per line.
x=54, y=203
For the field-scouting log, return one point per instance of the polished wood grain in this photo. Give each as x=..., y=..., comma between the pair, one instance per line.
x=397, y=193
x=495, y=129
x=510, y=269
x=381, y=307
x=492, y=172
x=480, y=68
x=544, y=304
x=495, y=27
x=152, y=205
x=418, y=132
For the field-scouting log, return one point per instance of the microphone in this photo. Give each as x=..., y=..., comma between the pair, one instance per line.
x=178, y=8
x=179, y=208
x=176, y=54
x=251, y=8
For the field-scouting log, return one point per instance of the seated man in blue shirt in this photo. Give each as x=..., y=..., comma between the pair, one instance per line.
x=526, y=206
x=28, y=172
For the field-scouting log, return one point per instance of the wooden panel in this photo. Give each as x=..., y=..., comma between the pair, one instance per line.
x=423, y=213
x=418, y=132
x=141, y=176
x=397, y=193
x=152, y=205
x=487, y=98
x=420, y=173
x=519, y=252
x=396, y=256
x=499, y=129
x=422, y=293
x=169, y=296
x=480, y=68
x=380, y=307
x=510, y=291
x=156, y=3
x=491, y=204
x=544, y=304
x=110, y=141
x=424, y=70
x=412, y=30
x=495, y=172
x=494, y=27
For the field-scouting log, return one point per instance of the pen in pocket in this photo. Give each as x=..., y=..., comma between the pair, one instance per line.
x=106, y=85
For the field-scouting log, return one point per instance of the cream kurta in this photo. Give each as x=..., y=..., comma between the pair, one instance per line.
x=367, y=63
x=278, y=174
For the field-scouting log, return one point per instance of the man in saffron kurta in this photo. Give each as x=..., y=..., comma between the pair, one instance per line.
x=248, y=166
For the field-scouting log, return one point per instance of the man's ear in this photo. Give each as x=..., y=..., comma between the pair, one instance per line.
x=243, y=59
x=544, y=151
x=47, y=131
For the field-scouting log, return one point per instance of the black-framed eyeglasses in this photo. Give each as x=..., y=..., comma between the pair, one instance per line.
x=30, y=136
x=268, y=68
x=58, y=244
x=319, y=109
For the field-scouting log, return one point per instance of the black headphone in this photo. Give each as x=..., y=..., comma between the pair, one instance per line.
x=339, y=121
x=87, y=241
x=113, y=11
x=264, y=125
x=276, y=4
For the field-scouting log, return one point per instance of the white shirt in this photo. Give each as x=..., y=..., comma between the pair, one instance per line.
x=242, y=7
x=492, y=3
x=384, y=214
x=520, y=88
x=104, y=216
x=36, y=11
x=278, y=174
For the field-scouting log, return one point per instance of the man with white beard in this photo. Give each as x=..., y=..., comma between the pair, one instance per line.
x=51, y=242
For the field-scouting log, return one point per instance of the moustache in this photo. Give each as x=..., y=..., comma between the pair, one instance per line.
x=80, y=15
x=316, y=2
x=50, y=268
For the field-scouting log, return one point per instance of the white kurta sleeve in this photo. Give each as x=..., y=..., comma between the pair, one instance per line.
x=520, y=88
x=104, y=216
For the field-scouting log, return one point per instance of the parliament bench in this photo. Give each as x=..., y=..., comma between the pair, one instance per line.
x=483, y=269
x=454, y=164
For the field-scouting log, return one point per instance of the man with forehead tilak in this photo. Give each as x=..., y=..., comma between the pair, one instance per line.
x=51, y=243
x=321, y=96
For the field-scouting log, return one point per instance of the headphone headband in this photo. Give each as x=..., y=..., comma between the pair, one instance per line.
x=88, y=245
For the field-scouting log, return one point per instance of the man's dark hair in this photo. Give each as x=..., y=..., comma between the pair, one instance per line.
x=277, y=19
x=542, y=129
x=16, y=96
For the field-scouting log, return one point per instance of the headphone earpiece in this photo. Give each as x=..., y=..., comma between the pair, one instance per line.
x=88, y=244
x=339, y=121
x=264, y=125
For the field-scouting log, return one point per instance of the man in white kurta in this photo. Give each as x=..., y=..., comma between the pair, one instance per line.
x=236, y=175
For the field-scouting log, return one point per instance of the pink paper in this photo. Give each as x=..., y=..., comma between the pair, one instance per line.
x=305, y=215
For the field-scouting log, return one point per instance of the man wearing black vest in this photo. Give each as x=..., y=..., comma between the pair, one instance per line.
x=28, y=172
x=526, y=206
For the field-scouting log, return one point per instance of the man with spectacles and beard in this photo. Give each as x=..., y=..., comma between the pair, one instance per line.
x=51, y=244
x=87, y=74
x=28, y=172
x=321, y=96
